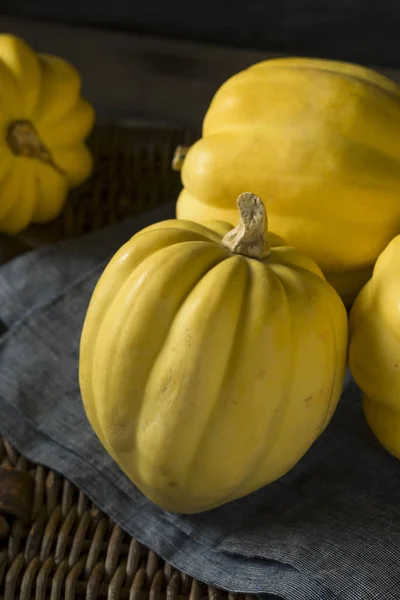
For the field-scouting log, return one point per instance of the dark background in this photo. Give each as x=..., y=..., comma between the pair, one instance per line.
x=355, y=30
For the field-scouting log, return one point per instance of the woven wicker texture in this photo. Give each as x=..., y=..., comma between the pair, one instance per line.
x=54, y=543
x=61, y=547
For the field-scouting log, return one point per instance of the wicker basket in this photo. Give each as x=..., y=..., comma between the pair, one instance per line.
x=54, y=544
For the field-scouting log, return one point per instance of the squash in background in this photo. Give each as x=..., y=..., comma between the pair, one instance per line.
x=43, y=124
x=319, y=141
x=211, y=359
x=374, y=348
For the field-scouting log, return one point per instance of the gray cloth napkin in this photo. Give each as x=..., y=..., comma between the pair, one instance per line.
x=330, y=529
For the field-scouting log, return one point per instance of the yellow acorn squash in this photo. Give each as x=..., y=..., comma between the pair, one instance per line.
x=211, y=359
x=43, y=123
x=319, y=141
x=374, y=347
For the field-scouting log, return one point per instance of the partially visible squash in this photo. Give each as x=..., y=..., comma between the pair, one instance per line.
x=319, y=141
x=211, y=359
x=374, y=348
x=43, y=124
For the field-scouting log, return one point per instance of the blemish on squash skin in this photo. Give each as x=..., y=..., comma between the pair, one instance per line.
x=307, y=400
x=324, y=336
x=167, y=382
x=188, y=338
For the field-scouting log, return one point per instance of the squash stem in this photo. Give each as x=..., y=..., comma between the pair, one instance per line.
x=24, y=140
x=179, y=157
x=248, y=237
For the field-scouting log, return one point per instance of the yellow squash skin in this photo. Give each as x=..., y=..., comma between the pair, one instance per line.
x=207, y=374
x=318, y=140
x=374, y=348
x=43, y=124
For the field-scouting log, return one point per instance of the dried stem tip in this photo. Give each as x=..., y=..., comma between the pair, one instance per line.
x=248, y=237
x=179, y=157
